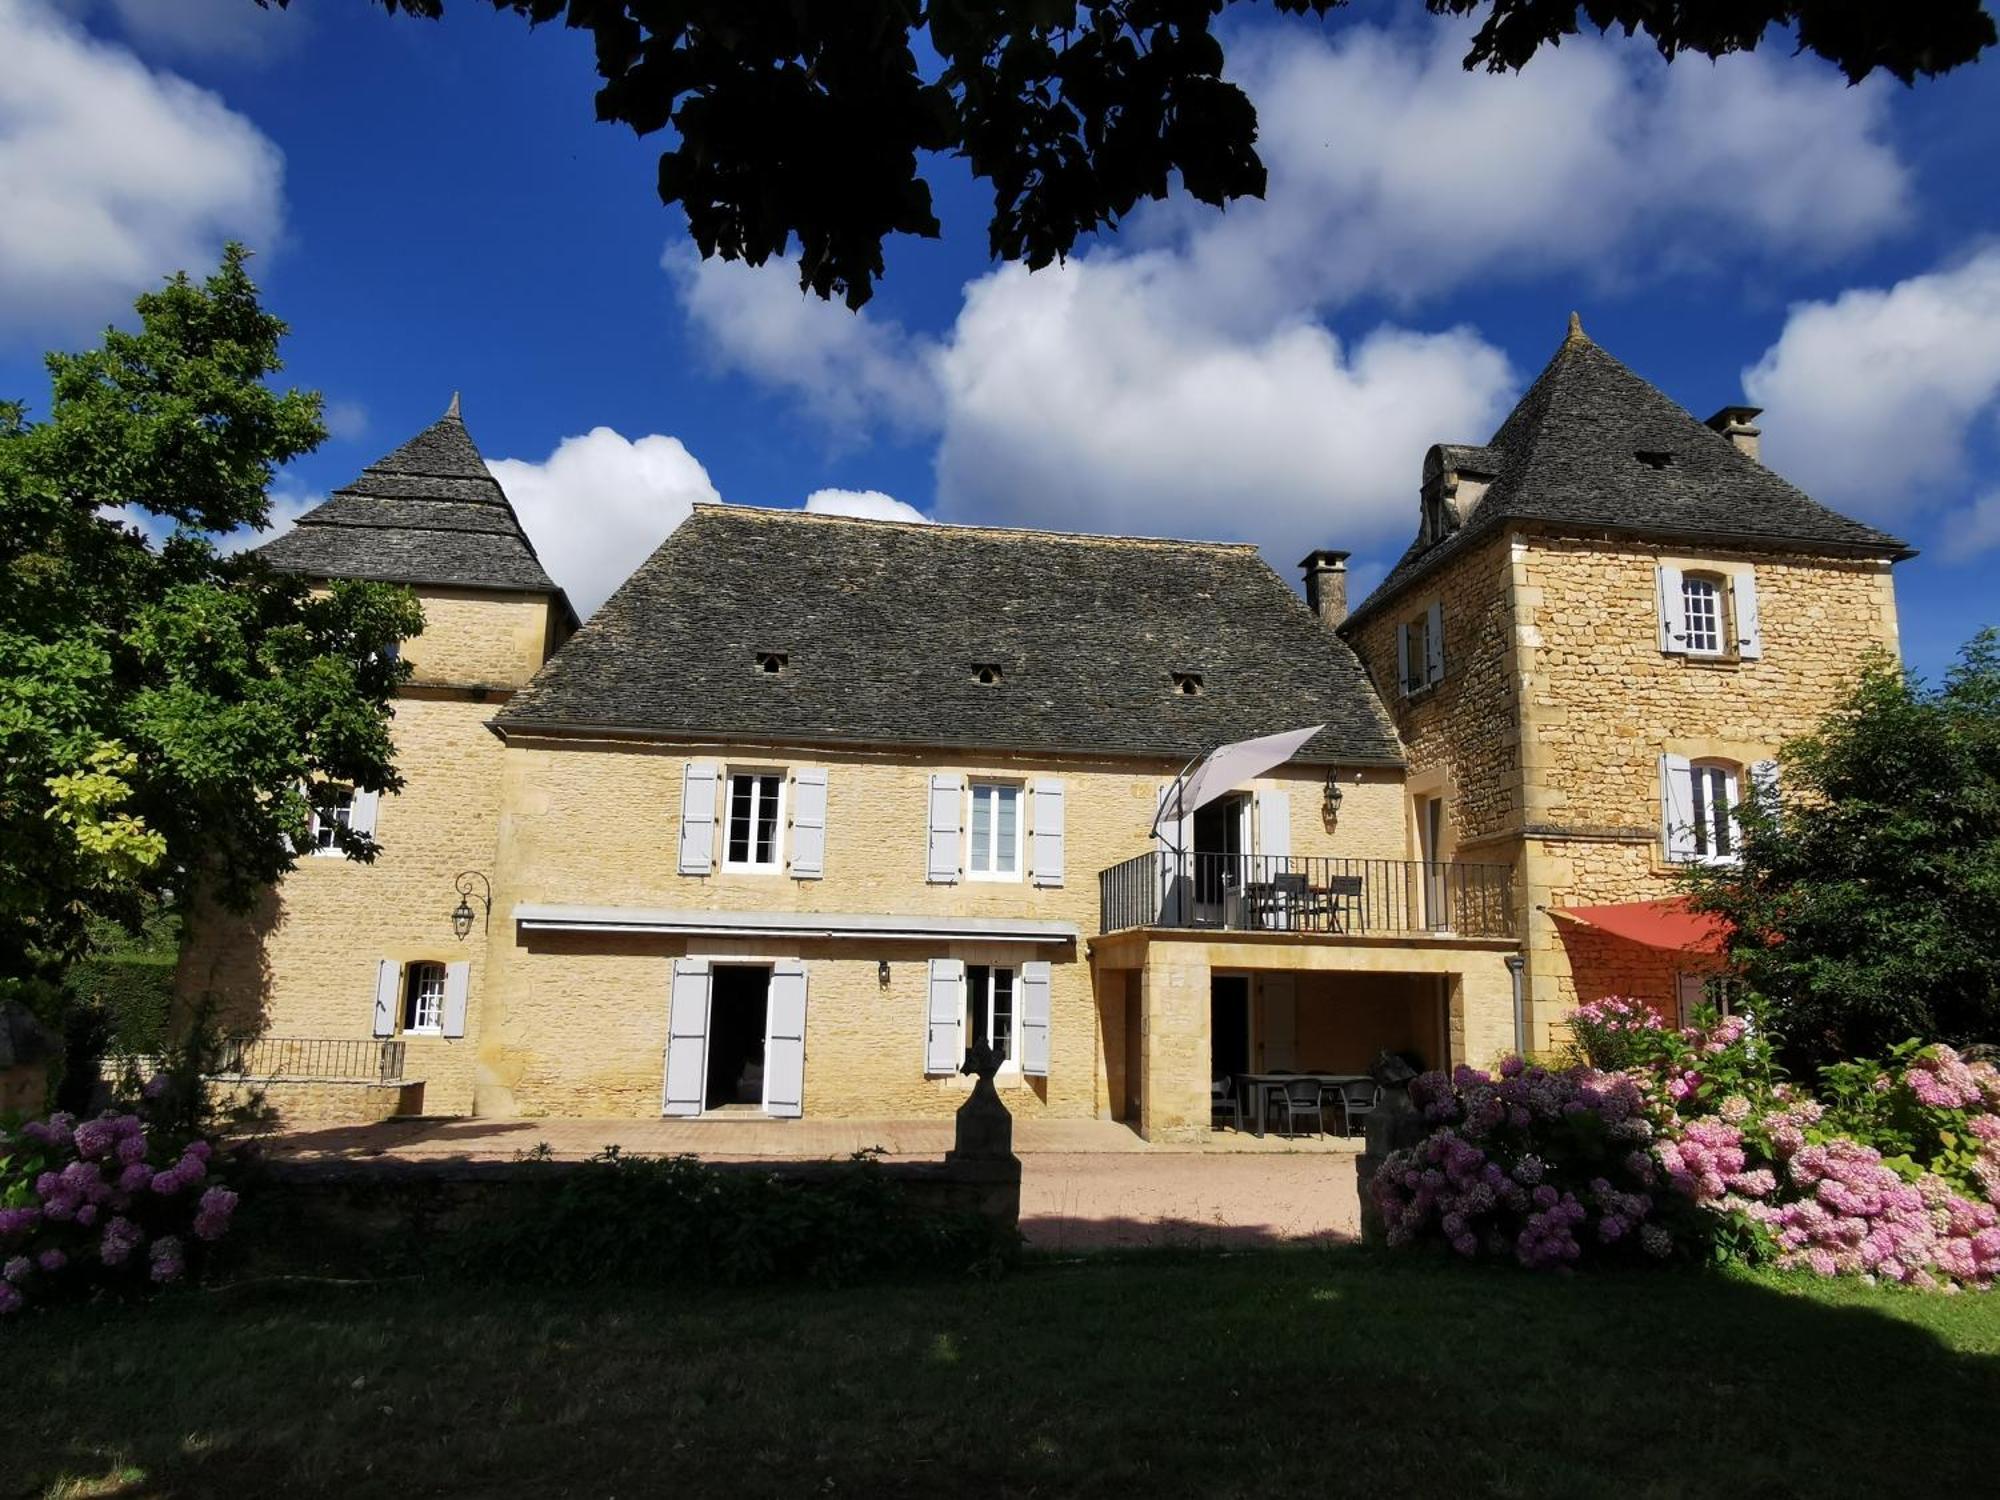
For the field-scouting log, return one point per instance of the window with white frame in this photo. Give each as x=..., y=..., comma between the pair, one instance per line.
x=1721, y=993
x=1702, y=797
x=423, y=997
x=989, y=1010
x=1416, y=654
x=1704, y=610
x=756, y=808
x=993, y=831
x=338, y=814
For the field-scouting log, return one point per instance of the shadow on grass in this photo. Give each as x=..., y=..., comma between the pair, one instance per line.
x=1167, y=1375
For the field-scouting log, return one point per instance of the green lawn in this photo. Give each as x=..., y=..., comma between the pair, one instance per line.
x=1300, y=1374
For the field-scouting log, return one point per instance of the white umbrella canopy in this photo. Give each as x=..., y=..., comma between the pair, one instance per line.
x=1227, y=767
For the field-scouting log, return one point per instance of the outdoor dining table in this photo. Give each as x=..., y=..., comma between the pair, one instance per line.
x=1254, y=1089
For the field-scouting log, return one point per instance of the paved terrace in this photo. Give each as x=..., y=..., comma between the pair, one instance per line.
x=1085, y=1184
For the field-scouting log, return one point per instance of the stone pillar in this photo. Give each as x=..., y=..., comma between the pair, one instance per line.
x=1174, y=1045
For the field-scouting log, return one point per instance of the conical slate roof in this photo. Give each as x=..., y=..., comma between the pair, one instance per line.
x=429, y=513
x=1570, y=454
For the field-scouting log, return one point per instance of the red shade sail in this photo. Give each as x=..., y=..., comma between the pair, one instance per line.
x=1670, y=924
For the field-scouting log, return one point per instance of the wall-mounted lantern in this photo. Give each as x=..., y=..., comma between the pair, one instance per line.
x=1330, y=803
x=882, y=972
x=461, y=915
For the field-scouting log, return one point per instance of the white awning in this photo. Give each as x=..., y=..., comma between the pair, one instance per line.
x=1227, y=767
x=537, y=917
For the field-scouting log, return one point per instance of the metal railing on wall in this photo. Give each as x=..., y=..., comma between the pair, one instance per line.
x=1273, y=893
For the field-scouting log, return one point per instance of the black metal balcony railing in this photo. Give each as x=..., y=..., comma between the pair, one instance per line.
x=370, y=1059
x=1274, y=893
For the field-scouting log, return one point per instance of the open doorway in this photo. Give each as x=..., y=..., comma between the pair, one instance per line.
x=736, y=1027
x=1229, y=1025
x=1221, y=840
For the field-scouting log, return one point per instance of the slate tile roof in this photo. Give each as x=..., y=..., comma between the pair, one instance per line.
x=429, y=513
x=884, y=624
x=1568, y=455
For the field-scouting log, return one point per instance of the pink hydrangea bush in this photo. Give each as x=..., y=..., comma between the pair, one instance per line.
x=111, y=1201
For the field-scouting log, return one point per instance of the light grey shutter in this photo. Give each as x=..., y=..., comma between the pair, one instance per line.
x=1035, y=1019
x=1749, y=632
x=809, y=823
x=1690, y=994
x=687, y=1038
x=388, y=983
x=698, y=789
x=1434, y=643
x=1403, y=659
x=944, y=1049
x=1274, y=832
x=1046, y=857
x=1175, y=838
x=785, y=1041
x=457, y=985
x=946, y=795
x=1764, y=780
x=1673, y=624
x=363, y=812
x=1677, y=806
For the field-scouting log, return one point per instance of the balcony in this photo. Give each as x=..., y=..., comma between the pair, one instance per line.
x=1258, y=893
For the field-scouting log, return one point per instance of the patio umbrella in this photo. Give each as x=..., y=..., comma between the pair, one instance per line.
x=1227, y=767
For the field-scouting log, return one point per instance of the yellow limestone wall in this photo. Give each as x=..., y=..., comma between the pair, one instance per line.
x=303, y=963
x=575, y=1024
x=1552, y=763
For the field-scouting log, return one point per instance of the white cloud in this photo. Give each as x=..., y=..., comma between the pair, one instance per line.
x=871, y=505
x=112, y=175
x=600, y=504
x=237, y=29
x=287, y=505
x=345, y=420
x=1870, y=398
x=851, y=373
x=1974, y=529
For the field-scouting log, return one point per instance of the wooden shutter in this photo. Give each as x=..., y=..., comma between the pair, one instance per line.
x=785, y=1041
x=1690, y=994
x=1034, y=1009
x=1677, y=806
x=944, y=1047
x=1764, y=779
x=457, y=985
x=1045, y=858
x=946, y=794
x=1749, y=633
x=809, y=823
x=698, y=791
x=1174, y=839
x=1274, y=831
x=1403, y=659
x=687, y=1038
x=363, y=811
x=388, y=990
x=1434, y=643
x=1673, y=624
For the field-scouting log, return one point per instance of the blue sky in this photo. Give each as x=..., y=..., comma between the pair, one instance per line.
x=435, y=209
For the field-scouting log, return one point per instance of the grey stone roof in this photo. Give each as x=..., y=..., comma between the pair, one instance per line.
x=429, y=513
x=1567, y=456
x=882, y=624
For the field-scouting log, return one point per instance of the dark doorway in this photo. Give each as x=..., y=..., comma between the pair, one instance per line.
x=1229, y=1024
x=1219, y=850
x=736, y=1035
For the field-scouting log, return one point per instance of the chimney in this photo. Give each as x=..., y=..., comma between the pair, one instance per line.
x=1326, y=585
x=1739, y=425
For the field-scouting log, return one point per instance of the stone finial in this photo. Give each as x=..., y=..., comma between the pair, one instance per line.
x=452, y=410
x=1576, y=333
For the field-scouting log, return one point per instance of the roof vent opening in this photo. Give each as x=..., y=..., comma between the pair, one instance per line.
x=772, y=663
x=1187, y=684
x=1653, y=458
x=986, y=673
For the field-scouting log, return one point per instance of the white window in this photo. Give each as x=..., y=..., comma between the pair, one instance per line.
x=756, y=811
x=989, y=1010
x=1703, y=611
x=1701, y=801
x=1415, y=651
x=993, y=831
x=1717, y=992
x=1420, y=651
x=324, y=826
x=423, y=997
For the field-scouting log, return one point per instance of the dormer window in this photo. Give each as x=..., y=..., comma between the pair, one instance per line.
x=986, y=673
x=1654, y=458
x=772, y=663
x=1187, y=684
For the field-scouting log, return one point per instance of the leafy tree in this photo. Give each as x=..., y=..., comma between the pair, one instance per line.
x=796, y=118
x=1866, y=909
x=169, y=714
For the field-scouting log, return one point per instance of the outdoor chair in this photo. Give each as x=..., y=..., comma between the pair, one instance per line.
x=1299, y=1097
x=1290, y=895
x=1342, y=891
x=1357, y=1099
x=1222, y=1101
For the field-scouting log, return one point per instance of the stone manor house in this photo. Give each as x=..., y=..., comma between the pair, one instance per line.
x=814, y=803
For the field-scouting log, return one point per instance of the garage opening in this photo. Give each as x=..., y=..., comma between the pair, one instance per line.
x=738, y=1009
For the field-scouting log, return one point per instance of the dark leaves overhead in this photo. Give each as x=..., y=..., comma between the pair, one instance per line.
x=805, y=119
